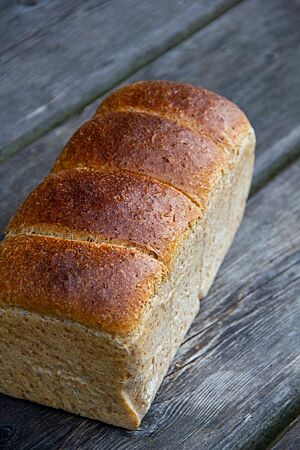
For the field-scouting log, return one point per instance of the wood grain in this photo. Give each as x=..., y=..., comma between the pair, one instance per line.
x=58, y=56
x=290, y=440
x=235, y=380
x=256, y=82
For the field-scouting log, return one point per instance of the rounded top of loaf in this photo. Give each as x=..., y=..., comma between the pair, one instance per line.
x=110, y=206
x=177, y=133
x=150, y=145
x=201, y=110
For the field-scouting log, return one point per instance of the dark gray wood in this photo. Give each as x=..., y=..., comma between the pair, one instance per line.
x=56, y=56
x=234, y=383
x=227, y=56
x=290, y=440
x=235, y=380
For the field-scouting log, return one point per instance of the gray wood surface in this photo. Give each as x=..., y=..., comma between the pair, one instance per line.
x=234, y=383
x=56, y=56
x=290, y=440
x=227, y=56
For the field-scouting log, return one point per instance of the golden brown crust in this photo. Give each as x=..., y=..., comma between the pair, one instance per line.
x=113, y=183
x=96, y=285
x=202, y=110
x=144, y=143
x=110, y=205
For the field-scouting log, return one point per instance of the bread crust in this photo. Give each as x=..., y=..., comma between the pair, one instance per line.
x=147, y=144
x=101, y=286
x=197, y=108
x=137, y=177
x=118, y=207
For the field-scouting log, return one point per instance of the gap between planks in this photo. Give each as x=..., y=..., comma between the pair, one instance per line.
x=289, y=142
x=289, y=439
x=60, y=117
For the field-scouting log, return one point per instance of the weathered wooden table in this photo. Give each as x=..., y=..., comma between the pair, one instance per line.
x=235, y=381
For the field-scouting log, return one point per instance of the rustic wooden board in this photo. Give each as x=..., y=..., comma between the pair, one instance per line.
x=258, y=82
x=58, y=56
x=290, y=440
x=235, y=380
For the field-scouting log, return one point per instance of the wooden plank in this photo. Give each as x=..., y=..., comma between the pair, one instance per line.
x=58, y=56
x=290, y=440
x=257, y=82
x=238, y=362
x=234, y=382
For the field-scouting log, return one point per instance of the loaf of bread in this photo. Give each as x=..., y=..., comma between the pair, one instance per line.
x=103, y=266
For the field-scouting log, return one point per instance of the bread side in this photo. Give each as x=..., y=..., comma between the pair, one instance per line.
x=63, y=364
x=109, y=195
x=197, y=263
